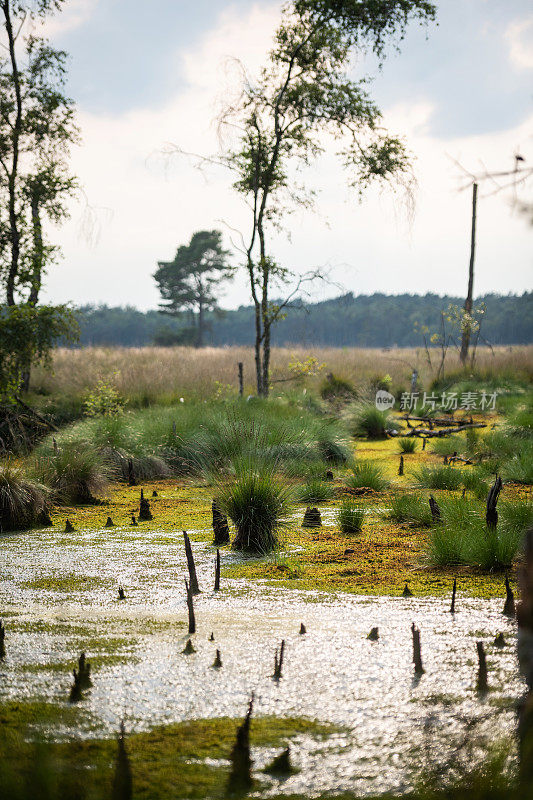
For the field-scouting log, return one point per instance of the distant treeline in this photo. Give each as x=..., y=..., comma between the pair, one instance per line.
x=376, y=320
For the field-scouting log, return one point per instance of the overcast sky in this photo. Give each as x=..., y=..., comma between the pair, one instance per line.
x=145, y=74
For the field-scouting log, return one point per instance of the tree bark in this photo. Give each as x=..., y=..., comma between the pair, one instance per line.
x=12, y=177
x=37, y=269
x=465, y=340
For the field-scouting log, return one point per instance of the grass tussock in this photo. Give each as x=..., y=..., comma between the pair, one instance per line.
x=407, y=444
x=350, y=517
x=315, y=491
x=74, y=474
x=258, y=503
x=367, y=421
x=411, y=510
x=463, y=537
x=439, y=477
x=23, y=502
x=369, y=475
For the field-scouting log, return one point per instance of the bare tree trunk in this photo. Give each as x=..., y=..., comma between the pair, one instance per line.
x=12, y=176
x=200, y=329
x=465, y=341
x=37, y=267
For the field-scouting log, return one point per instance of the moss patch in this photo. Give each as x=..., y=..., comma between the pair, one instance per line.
x=167, y=762
x=67, y=583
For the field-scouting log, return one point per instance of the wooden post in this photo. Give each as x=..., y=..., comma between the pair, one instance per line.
x=190, y=607
x=241, y=379
x=191, y=565
x=217, y=572
x=417, y=652
x=482, y=683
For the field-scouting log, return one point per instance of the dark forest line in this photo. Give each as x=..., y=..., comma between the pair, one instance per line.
x=376, y=320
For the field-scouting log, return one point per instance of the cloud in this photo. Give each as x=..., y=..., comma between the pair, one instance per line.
x=519, y=36
x=150, y=204
x=74, y=14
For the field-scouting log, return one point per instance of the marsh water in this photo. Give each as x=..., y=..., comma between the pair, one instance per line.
x=58, y=595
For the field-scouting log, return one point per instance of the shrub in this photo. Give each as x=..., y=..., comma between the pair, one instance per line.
x=315, y=491
x=407, y=444
x=257, y=502
x=75, y=472
x=350, y=517
x=104, y=400
x=367, y=474
x=23, y=502
x=367, y=421
x=333, y=387
x=410, y=509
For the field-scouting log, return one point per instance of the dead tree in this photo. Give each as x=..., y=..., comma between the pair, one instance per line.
x=195, y=589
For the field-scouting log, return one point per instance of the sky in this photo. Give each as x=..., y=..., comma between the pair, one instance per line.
x=150, y=76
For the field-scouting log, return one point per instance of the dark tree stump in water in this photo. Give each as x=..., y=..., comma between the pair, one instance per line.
x=312, y=518
x=193, y=579
x=400, y=468
x=217, y=572
x=509, y=606
x=190, y=607
x=240, y=779
x=302, y=629
x=481, y=683
x=281, y=765
x=373, y=635
x=144, y=509
x=278, y=661
x=121, y=593
x=417, y=651
x=122, y=780
x=109, y=523
x=454, y=591
x=132, y=480
x=491, y=515
x=329, y=475
x=406, y=591
x=217, y=663
x=435, y=510
x=189, y=649
x=220, y=525
x=2, y=640
x=69, y=527
x=499, y=641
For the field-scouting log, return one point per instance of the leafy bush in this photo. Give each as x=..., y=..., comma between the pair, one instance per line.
x=410, y=509
x=23, y=503
x=315, y=491
x=258, y=503
x=366, y=420
x=104, y=400
x=75, y=472
x=407, y=444
x=367, y=474
x=350, y=517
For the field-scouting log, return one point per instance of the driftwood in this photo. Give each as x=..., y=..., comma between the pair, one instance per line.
x=428, y=433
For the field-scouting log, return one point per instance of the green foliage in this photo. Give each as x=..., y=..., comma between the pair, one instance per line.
x=407, y=444
x=75, y=472
x=365, y=420
x=191, y=280
x=27, y=336
x=344, y=321
x=369, y=475
x=439, y=477
x=334, y=387
x=350, y=517
x=104, y=400
x=519, y=468
x=411, y=510
x=23, y=502
x=315, y=491
x=463, y=537
x=258, y=503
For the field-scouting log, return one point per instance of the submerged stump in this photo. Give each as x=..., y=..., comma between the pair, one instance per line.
x=312, y=518
x=191, y=566
x=482, y=682
x=144, y=509
x=417, y=651
x=240, y=779
x=509, y=605
x=220, y=525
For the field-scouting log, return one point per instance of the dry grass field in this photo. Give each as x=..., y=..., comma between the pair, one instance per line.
x=150, y=374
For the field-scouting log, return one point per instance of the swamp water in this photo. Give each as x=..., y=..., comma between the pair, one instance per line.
x=58, y=596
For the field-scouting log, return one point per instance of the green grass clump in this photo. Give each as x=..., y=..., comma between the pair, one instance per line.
x=350, y=517
x=519, y=468
x=463, y=537
x=258, y=503
x=74, y=472
x=315, y=491
x=447, y=446
x=23, y=502
x=411, y=510
x=334, y=387
x=439, y=477
x=366, y=421
x=407, y=444
x=367, y=474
